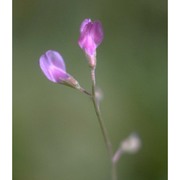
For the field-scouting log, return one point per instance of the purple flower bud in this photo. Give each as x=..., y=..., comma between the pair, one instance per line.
x=91, y=36
x=53, y=67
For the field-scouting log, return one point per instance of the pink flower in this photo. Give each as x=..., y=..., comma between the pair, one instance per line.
x=91, y=36
x=53, y=67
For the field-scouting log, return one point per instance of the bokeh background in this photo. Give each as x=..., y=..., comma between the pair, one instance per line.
x=55, y=131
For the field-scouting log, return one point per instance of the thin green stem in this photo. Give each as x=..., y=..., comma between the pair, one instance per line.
x=102, y=125
x=114, y=171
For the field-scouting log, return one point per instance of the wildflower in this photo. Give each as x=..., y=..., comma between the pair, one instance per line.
x=54, y=68
x=91, y=36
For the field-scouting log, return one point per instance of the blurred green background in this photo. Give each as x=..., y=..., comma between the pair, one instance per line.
x=56, y=134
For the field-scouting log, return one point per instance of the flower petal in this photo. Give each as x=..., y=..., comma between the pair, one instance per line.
x=91, y=36
x=97, y=32
x=83, y=24
x=53, y=66
x=53, y=57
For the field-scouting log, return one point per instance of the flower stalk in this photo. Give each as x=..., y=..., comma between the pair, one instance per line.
x=102, y=125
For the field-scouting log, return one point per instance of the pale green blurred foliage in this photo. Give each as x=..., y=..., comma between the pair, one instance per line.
x=55, y=131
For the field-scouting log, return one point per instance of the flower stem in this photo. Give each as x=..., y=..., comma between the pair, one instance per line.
x=102, y=125
x=84, y=91
x=117, y=155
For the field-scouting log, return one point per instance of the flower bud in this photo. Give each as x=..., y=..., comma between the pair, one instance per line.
x=132, y=144
x=99, y=95
x=53, y=67
x=91, y=36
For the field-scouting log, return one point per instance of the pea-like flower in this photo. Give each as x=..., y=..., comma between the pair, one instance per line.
x=91, y=36
x=54, y=68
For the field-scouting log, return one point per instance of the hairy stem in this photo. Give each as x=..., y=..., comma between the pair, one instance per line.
x=102, y=125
